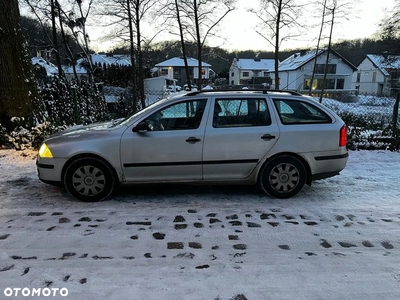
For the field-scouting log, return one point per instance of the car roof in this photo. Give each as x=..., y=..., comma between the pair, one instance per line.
x=244, y=92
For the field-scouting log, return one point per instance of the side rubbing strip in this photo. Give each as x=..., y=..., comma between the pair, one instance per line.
x=331, y=157
x=191, y=163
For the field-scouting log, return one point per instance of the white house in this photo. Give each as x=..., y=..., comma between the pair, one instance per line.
x=97, y=59
x=51, y=69
x=377, y=74
x=251, y=71
x=175, y=68
x=295, y=72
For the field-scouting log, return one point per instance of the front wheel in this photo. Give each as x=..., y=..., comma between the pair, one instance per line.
x=89, y=179
x=283, y=177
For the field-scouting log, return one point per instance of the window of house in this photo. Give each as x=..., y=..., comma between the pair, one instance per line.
x=329, y=84
x=164, y=71
x=374, y=77
x=340, y=84
x=330, y=69
x=246, y=74
x=177, y=71
x=266, y=74
x=232, y=74
x=299, y=112
x=241, y=113
x=358, y=77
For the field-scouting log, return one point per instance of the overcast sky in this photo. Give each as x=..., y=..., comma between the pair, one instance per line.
x=239, y=27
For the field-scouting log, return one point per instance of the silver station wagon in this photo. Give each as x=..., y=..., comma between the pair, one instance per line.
x=279, y=140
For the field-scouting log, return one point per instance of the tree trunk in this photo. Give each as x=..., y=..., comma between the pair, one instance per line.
x=276, y=54
x=140, y=56
x=316, y=53
x=132, y=53
x=69, y=51
x=55, y=41
x=198, y=43
x=18, y=88
x=327, y=55
x=183, y=46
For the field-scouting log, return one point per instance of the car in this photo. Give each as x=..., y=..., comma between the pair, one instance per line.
x=278, y=140
x=174, y=88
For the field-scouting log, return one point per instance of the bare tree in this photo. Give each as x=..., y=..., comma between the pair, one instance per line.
x=318, y=45
x=18, y=88
x=333, y=12
x=128, y=18
x=202, y=18
x=73, y=14
x=390, y=30
x=278, y=23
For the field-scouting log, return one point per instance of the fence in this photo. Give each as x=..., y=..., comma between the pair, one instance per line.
x=372, y=121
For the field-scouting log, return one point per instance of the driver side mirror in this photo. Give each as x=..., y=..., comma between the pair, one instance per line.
x=141, y=127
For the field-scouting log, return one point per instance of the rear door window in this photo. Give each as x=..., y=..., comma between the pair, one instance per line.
x=300, y=112
x=241, y=113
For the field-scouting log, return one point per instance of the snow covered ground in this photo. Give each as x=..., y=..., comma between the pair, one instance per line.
x=339, y=239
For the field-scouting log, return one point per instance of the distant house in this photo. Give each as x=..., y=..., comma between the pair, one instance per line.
x=49, y=68
x=378, y=74
x=295, y=72
x=251, y=72
x=175, y=68
x=97, y=59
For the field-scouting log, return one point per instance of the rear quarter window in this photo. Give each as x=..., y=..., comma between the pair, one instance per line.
x=300, y=112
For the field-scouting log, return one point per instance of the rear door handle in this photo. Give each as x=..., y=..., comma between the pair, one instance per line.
x=192, y=139
x=267, y=137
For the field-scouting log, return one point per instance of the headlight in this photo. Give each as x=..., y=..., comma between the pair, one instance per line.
x=44, y=151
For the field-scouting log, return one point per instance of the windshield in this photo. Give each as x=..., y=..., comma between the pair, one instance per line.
x=139, y=113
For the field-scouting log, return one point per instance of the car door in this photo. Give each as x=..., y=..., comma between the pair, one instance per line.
x=168, y=145
x=240, y=132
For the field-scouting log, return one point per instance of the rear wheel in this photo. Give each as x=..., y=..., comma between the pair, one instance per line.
x=283, y=177
x=89, y=179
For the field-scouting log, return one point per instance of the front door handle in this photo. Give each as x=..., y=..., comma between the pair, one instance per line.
x=192, y=139
x=267, y=137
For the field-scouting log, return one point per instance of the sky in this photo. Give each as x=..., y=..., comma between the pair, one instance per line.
x=361, y=24
x=238, y=28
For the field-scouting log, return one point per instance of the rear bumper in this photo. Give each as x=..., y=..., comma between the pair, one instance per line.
x=327, y=164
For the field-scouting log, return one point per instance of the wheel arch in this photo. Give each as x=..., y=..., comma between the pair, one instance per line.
x=88, y=156
x=295, y=155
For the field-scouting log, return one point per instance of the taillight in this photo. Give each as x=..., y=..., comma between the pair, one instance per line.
x=343, y=136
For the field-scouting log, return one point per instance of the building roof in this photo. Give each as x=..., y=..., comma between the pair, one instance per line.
x=50, y=68
x=111, y=59
x=179, y=62
x=253, y=64
x=383, y=63
x=107, y=59
x=299, y=59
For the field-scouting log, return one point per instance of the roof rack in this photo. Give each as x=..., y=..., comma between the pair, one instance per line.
x=264, y=91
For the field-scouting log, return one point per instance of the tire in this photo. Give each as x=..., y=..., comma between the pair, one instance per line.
x=283, y=177
x=89, y=179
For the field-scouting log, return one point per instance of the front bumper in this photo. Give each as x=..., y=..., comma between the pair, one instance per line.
x=50, y=170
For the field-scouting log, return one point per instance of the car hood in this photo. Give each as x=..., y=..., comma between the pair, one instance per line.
x=86, y=130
